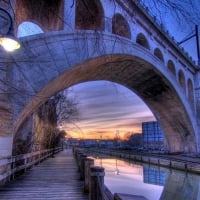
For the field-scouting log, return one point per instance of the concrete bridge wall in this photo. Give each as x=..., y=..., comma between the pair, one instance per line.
x=124, y=45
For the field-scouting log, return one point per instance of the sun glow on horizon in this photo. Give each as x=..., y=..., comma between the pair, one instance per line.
x=104, y=108
x=109, y=135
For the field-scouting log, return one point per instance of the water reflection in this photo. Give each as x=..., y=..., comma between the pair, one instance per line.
x=152, y=182
x=116, y=168
x=154, y=175
x=181, y=186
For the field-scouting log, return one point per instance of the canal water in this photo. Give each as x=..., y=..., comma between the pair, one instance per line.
x=152, y=182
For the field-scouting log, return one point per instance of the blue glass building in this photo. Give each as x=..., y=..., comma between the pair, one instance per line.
x=152, y=135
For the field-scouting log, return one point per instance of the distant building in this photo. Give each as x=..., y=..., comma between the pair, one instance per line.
x=73, y=142
x=97, y=143
x=107, y=144
x=152, y=136
x=88, y=143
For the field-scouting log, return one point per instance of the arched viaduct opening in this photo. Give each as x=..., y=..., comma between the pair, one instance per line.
x=139, y=76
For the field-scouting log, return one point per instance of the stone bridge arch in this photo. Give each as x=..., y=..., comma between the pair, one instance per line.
x=55, y=61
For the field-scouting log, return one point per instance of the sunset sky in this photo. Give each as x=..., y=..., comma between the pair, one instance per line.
x=104, y=108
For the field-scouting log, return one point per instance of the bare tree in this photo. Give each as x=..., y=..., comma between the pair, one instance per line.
x=186, y=11
x=60, y=109
x=66, y=108
x=135, y=139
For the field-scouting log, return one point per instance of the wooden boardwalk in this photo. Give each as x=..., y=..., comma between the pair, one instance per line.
x=54, y=179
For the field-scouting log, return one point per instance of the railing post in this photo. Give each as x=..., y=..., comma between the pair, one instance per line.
x=13, y=168
x=53, y=152
x=62, y=147
x=41, y=156
x=88, y=163
x=82, y=166
x=25, y=163
x=96, y=185
x=73, y=149
x=79, y=154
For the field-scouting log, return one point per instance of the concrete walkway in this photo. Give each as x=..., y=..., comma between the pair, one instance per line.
x=54, y=179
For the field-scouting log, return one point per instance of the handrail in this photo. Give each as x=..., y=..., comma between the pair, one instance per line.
x=10, y=166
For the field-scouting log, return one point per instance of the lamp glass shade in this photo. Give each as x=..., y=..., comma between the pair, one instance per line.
x=9, y=44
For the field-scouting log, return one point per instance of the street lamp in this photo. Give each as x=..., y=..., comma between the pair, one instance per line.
x=9, y=44
x=7, y=41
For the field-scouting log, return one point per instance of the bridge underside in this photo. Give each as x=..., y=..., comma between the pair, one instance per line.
x=142, y=78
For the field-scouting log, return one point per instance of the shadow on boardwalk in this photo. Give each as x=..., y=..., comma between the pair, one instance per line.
x=54, y=179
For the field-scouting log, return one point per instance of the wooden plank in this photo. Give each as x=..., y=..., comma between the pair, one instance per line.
x=27, y=160
x=55, y=178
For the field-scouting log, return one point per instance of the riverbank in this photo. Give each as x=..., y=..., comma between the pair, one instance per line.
x=180, y=162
